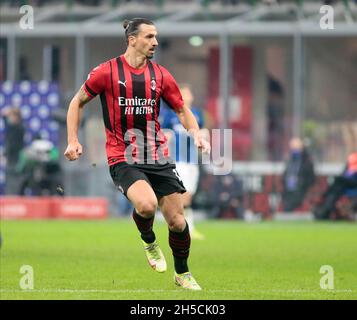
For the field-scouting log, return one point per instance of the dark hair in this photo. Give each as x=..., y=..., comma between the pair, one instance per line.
x=131, y=27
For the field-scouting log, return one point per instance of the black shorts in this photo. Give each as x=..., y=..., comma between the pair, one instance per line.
x=163, y=178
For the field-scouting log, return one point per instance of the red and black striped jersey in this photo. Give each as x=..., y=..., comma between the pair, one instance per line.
x=130, y=101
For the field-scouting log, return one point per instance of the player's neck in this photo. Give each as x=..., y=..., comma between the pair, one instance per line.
x=135, y=60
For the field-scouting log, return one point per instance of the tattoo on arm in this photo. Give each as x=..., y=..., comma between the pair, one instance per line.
x=82, y=96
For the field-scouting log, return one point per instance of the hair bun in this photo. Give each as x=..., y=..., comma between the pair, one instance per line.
x=126, y=24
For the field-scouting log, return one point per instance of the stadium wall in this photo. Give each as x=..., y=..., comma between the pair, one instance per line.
x=53, y=208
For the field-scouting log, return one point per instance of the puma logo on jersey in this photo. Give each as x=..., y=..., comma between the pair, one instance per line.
x=123, y=83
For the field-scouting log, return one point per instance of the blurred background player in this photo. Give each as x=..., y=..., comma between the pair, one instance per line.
x=186, y=153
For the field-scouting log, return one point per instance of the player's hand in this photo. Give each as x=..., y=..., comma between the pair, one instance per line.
x=74, y=151
x=201, y=143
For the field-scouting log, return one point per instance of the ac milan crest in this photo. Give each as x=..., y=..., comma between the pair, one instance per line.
x=153, y=84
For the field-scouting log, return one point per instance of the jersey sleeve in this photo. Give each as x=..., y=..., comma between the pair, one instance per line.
x=95, y=83
x=170, y=91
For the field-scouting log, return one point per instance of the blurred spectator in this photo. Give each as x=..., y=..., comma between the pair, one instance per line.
x=14, y=143
x=343, y=184
x=298, y=176
x=275, y=119
x=227, y=197
x=40, y=167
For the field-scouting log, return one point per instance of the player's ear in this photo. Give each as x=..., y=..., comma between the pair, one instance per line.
x=132, y=40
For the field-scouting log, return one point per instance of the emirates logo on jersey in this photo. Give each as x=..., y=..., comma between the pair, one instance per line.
x=153, y=84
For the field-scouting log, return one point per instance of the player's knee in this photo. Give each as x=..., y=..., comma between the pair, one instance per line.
x=146, y=207
x=177, y=223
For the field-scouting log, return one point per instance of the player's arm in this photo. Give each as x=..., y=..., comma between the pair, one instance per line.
x=172, y=95
x=74, y=149
x=94, y=85
x=189, y=122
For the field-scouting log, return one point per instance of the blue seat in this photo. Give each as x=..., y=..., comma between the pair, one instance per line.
x=351, y=193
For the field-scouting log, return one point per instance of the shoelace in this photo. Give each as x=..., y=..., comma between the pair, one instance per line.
x=189, y=279
x=155, y=253
x=188, y=276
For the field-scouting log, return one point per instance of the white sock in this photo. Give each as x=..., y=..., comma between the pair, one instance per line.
x=189, y=218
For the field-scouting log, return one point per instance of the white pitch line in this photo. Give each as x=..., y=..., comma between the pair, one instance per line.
x=161, y=290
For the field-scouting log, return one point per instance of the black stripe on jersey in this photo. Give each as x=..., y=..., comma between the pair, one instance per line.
x=122, y=93
x=90, y=90
x=106, y=118
x=152, y=78
x=140, y=122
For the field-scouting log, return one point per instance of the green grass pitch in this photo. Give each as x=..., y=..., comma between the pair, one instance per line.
x=105, y=260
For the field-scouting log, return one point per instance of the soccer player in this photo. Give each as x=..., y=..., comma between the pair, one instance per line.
x=186, y=154
x=130, y=87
